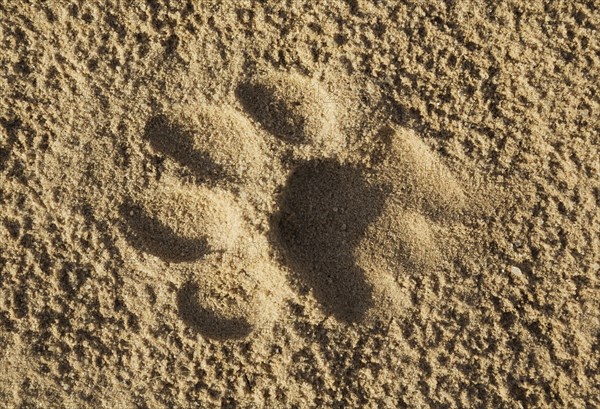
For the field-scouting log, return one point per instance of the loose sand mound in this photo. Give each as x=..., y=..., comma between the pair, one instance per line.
x=300, y=205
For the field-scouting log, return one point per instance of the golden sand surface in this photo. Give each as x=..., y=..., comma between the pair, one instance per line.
x=299, y=204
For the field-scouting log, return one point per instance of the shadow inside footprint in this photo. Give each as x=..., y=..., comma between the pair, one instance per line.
x=325, y=210
x=149, y=234
x=174, y=140
x=273, y=113
x=205, y=321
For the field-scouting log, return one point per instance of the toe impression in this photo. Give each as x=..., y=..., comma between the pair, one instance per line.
x=215, y=143
x=293, y=108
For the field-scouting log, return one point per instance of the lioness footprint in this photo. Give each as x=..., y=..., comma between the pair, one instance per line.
x=337, y=225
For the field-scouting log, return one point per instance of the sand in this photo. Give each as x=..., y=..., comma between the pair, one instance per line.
x=300, y=204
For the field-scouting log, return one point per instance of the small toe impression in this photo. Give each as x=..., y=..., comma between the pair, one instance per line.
x=175, y=138
x=210, y=212
x=214, y=314
x=151, y=235
x=325, y=209
x=228, y=298
x=423, y=179
x=213, y=142
x=182, y=224
x=294, y=108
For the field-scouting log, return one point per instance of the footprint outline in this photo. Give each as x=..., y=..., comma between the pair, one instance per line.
x=349, y=307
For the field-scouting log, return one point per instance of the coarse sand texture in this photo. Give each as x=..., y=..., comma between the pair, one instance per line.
x=299, y=204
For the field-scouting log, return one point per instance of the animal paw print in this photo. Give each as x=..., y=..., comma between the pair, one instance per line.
x=344, y=230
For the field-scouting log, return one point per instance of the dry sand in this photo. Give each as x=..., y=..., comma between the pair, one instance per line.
x=299, y=205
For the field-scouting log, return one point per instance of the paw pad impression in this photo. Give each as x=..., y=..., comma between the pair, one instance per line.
x=295, y=109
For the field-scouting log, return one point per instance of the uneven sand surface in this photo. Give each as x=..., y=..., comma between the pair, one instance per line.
x=299, y=204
